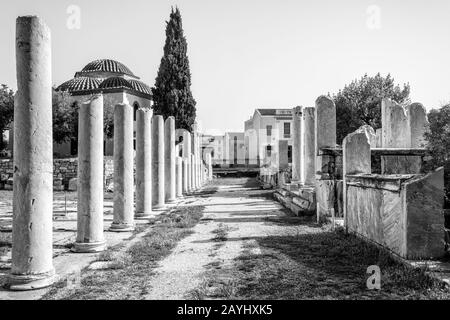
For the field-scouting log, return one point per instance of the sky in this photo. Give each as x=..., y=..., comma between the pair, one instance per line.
x=248, y=54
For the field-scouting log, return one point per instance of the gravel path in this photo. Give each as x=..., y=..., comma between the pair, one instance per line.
x=234, y=216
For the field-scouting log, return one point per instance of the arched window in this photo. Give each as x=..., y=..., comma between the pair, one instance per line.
x=135, y=109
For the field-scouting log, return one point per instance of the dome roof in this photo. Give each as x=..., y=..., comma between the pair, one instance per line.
x=139, y=86
x=79, y=84
x=107, y=65
x=115, y=83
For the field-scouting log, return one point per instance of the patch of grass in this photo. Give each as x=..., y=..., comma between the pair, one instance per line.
x=199, y=293
x=221, y=233
x=129, y=274
x=328, y=265
x=5, y=242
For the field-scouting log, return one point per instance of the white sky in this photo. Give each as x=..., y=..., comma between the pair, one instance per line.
x=247, y=54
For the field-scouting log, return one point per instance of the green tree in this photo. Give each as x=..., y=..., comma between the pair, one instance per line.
x=6, y=111
x=438, y=137
x=359, y=103
x=172, y=94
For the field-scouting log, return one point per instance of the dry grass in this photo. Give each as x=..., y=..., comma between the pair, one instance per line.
x=5, y=242
x=128, y=274
x=325, y=265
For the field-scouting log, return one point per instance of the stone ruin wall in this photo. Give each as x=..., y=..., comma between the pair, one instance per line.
x=63, y=171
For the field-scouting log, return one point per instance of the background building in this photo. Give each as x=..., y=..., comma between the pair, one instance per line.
x=117, y=84
x=215, y=145
x=268, y=137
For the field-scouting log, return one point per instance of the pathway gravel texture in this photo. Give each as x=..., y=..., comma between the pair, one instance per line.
x=237, y=214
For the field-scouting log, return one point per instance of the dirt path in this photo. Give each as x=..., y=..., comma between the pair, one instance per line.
x=237, y=214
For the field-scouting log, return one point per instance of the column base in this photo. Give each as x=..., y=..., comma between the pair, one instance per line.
x=88, y=247
x=30, y=281
x=143, y=216
x=121, y=227
x=159, y=208
x=171, y=201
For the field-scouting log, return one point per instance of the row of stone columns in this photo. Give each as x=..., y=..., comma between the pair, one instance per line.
x=161, y=175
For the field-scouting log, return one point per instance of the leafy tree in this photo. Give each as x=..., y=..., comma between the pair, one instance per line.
x=6, y=111
x=65, y=117
x=108, y=122
x=359, y=103
x=438, y=137
x=172, y=94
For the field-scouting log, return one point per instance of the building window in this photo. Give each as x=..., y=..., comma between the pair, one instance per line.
x=269, y=130
x=289, y=151
x=287, y=129
x=135, y=109
x=269, y=151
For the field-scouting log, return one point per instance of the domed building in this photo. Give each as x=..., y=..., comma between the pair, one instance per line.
x=117, y=84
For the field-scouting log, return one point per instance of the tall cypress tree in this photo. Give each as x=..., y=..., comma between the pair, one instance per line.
x=172, y=94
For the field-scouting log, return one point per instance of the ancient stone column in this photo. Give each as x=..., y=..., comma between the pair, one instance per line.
x=185, y=175
x=187, y=147
x=209, y=164
x=309, y=161
x=32, y=265
x=325, y=136
x=195, y=151
x=158, y=162
x=143, y=164
x=179, y=177
x=193, y=165
x=297, y=149
x=123, y=169
x=325, y=123
x=90, y=177
x=169, y=161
